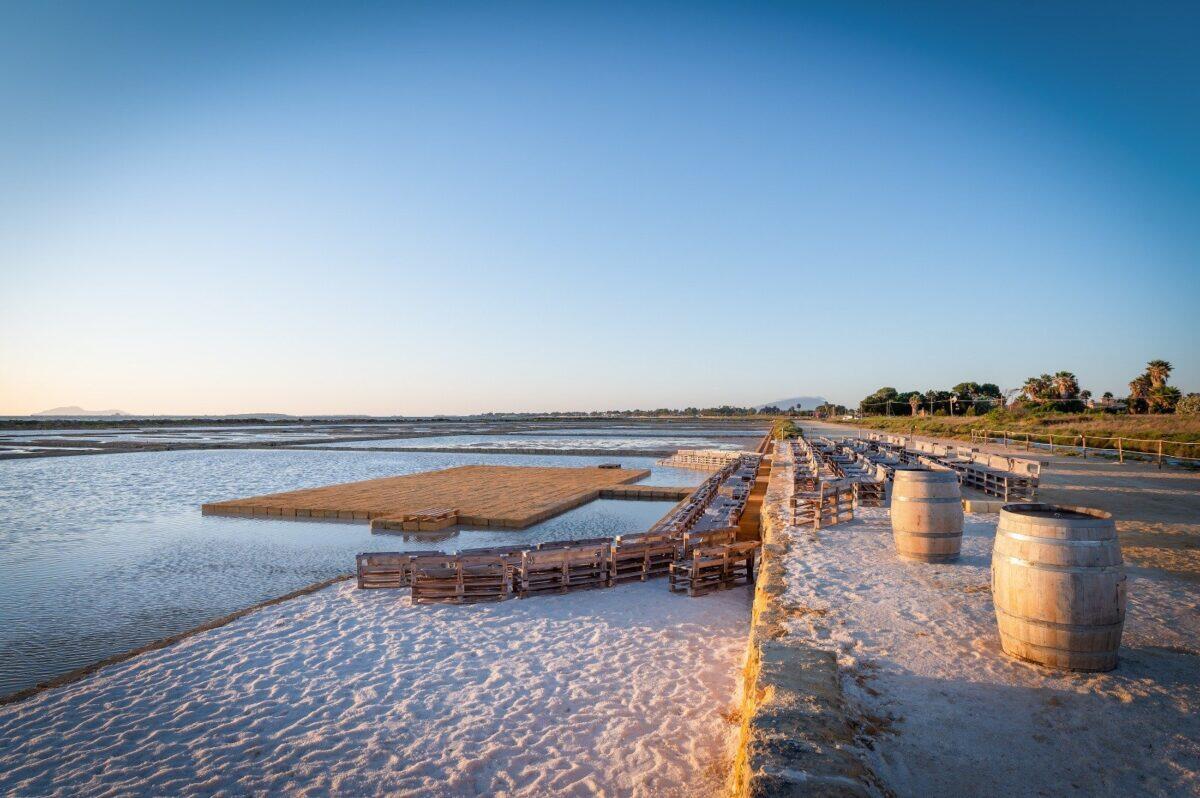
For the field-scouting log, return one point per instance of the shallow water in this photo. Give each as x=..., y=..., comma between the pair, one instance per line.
x=104, y=553
x=552, y=441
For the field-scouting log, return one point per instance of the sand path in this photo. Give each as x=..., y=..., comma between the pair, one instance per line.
x=943, y=712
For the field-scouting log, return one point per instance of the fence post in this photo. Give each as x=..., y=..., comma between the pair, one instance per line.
x=1083, y=438
x=1160, y=454
x=1120, y=452
x=1026, y=441
x=1005, y=439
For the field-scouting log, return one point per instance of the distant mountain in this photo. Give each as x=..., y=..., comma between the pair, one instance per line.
x=805, y=402
x=78, y=411
x=263, y=416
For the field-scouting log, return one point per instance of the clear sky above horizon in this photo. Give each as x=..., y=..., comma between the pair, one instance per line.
x=415, y=208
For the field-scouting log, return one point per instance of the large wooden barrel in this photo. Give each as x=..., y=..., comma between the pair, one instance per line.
x=927, y=515
x=1058, y=583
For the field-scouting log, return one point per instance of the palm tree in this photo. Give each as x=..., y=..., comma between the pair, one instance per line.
x=914, y=402
x=1139, y=390
x=1163, y=398
x=1036, y=388
x=1066, y=384
x=1158, y=371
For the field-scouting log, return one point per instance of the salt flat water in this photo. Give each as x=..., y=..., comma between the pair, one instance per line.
x=103, y=553
x=553, y=441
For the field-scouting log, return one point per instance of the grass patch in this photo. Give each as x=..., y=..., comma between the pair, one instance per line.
x=1138, y=433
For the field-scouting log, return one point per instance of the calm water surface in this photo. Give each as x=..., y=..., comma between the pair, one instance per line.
x=101, y=554
x=547, y=441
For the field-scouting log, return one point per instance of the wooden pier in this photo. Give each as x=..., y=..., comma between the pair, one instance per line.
x=512, y=497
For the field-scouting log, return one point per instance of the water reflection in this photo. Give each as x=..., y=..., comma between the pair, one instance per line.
x=101, y=554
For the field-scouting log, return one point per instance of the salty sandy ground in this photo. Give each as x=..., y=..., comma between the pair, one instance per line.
x=627, y=691
x=1157, y=510
x=943, y=712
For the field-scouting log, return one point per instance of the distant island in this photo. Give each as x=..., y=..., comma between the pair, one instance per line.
x=805, y=403
x=74, y=410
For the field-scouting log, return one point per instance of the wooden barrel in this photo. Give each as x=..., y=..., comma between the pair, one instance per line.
x=1058, y=583
x=927, y=515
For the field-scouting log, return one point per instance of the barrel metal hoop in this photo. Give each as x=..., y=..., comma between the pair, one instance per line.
x=931, y=534
x=1054, y=541
x=1066, y=627
x=1067, y=569
x=930, y=500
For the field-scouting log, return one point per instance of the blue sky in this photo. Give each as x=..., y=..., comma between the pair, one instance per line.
x=391, y=208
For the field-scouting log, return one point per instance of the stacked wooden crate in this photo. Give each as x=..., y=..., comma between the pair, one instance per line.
x=702, y=459
x=386, y=569
x=714, y=567
x=558, y=570
x=640, y=557
x=460, y=579
x=870, y=492
x=831, y=504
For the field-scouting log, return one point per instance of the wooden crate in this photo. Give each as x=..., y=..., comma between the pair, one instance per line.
x=870, y=493
x=640, y=556
x=387, y=569
x=430, y=519
x=511, y=554
x=825, y=507
x=562, y=569
x=710, y=537
x=712, y=568
x=382, y=569
x=460, y=579
x=568, y=544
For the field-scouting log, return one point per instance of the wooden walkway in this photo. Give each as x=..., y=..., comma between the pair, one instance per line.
x=513, y=497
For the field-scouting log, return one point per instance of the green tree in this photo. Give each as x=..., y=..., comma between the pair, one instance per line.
x=1139, y=393
x=1065, y=385
x=1158, y=371
x=877, y=403
x=1163, y=398
x=1037, y=389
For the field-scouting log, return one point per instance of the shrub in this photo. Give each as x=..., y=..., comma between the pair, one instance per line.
x=1189, y=405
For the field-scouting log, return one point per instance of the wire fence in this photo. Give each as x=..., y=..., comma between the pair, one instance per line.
x=1158, y=450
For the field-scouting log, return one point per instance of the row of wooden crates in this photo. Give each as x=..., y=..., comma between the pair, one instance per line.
x=708, y=495
x=696, y=562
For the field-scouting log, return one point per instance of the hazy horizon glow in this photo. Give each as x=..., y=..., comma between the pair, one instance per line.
x=423, y=208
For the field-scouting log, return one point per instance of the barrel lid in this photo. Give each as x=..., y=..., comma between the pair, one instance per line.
x=1054, y=513
x=925, y=475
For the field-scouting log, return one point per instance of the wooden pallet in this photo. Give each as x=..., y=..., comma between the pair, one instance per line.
x=382, y=569
x=570, y=544
x=386, y=569
x=712, y=568
x=641, y=557
x=511, y=554
x=870, y=493
x=708, y=537
x=824, y=507
x=460, y=579
x=560, y=570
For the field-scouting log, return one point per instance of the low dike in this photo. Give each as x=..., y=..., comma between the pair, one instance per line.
x=796, y=738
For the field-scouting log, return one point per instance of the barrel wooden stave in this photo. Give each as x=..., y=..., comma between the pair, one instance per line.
x=927, y=515
x=1059, y=588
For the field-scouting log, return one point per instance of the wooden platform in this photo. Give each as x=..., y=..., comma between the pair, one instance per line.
x=653, y=493
x=513, y=497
